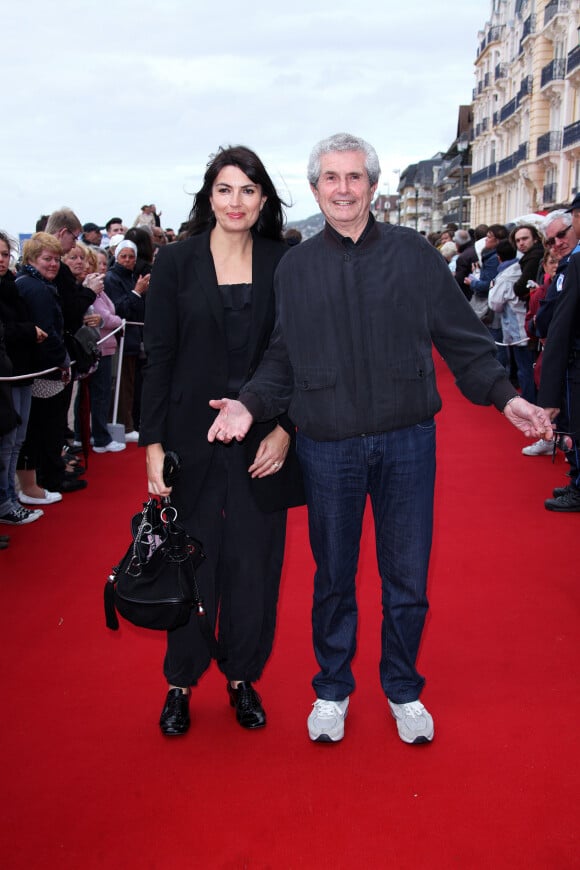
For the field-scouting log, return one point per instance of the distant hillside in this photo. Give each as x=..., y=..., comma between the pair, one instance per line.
x=309, y=226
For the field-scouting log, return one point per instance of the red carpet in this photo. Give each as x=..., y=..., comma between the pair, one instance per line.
x=88, y=782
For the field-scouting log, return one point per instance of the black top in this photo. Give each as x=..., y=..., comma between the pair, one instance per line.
x=237, y=302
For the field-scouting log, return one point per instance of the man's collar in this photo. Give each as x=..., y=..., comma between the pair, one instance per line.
x=346, y=240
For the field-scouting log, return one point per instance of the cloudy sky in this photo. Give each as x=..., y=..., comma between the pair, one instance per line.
x=106, y=107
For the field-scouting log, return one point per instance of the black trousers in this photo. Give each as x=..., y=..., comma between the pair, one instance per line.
x=42, y=448
x=240, y=578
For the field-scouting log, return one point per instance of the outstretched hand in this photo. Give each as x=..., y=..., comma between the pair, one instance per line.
x=534, y=422
x=232, y=422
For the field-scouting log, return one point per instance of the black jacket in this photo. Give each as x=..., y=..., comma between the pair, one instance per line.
x=352, y=348
x=19, y=330
x=187, y=357
x=119, y=284
x=465, y=260
x=74, y=298
x=561, y=355
x=43, y=303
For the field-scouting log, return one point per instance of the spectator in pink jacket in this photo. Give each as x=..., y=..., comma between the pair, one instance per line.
x=100, y=381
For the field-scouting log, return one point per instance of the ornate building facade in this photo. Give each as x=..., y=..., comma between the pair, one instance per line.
x=525, y=145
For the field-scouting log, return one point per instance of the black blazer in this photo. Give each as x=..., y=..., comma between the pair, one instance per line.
x=187, y=359
x=561, y=354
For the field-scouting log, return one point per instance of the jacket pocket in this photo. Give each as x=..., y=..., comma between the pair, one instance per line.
x=314, y=399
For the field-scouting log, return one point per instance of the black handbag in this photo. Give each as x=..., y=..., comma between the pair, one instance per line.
x=83, y=348
x=154, y=585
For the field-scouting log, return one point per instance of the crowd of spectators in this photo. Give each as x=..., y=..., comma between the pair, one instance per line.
x=68, y=275
x=513, y=277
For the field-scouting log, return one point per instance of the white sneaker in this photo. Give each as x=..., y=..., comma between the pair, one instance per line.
x=111, y=447
x=326, y=722
x=48, y=498
x=539, y=448
x=414, y=722
x=132, y=437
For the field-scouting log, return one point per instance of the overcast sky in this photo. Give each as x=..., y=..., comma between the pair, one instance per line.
x=106, y=107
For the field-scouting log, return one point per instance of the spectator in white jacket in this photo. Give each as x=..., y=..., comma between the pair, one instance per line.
x=502, y=298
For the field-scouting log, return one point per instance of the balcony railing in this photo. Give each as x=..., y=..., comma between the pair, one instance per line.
x=573, y=59
x=525, y=88
x=483, y=174
x=571, y=134
x=492, y=35
x=553, y=71
x=551, y=141
x=509, y=163
x=508, y=110
x=553, y=8
x=529, y=26
x=528, y=29
x=549, y=194
x=453, y=193
x=522, y=152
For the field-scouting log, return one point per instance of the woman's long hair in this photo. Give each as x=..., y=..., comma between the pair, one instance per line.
x=271, y=220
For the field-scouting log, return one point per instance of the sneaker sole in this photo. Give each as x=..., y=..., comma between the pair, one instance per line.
x=418, y=741
x=324, y=738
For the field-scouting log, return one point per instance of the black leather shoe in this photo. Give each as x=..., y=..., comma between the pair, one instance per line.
x=248, y=704
x=568, y=502
x=71, y=485
x=175, y=715
x=560, y=490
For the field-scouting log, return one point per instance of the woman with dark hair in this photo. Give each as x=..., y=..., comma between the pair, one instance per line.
x=210, y=312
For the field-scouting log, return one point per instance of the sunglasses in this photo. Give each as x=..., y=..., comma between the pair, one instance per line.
x=552, y=240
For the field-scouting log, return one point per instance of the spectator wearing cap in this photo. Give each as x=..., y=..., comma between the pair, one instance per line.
x=91, y=234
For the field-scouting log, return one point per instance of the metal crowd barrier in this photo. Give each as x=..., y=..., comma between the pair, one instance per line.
x=120, y=349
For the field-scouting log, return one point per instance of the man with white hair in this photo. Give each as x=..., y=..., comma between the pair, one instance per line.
x=560, y=380
x=561, y=239
x=359, y=307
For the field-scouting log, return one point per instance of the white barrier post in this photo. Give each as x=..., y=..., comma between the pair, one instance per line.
x=117, y=430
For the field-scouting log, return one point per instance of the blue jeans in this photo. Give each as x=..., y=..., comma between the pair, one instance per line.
x=501, y=351
x=397, y=470
x=10, y=445
x=525, y=366
x=100, y=395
